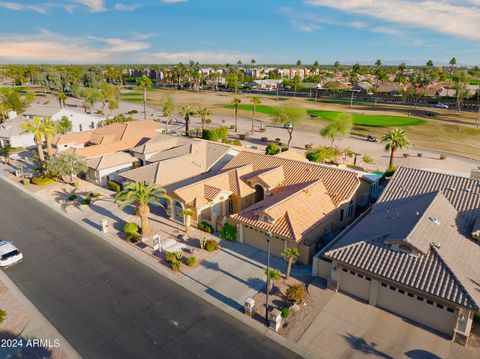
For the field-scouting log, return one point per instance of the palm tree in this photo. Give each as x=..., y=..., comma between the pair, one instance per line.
x=186, y=112
x=394, y=140
x=62, y=98
x=142, y=194
x=145, y=83
x=273, y=274
x=49, y=131
x=203, y=113
x=255, y=100
x=35, y=127
x=236, y=103
x=291, y=254
x=64, y=125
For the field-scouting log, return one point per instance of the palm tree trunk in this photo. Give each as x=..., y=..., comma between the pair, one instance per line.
x=143, y=212
x=392, y=154
x=203, y=124
x=289, y=267
x=41, y=156
x=49, y=147
x=236, y=119
x=144, y=102
x=187, y=120
x=289, y=138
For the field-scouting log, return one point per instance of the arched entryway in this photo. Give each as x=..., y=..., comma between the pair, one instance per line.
x=259, y=193
x=178, y=212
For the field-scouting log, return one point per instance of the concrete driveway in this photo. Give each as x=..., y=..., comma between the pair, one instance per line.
x=348, y=328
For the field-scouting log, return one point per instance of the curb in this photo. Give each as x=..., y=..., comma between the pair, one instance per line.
x=147, y=260
x=38, y=323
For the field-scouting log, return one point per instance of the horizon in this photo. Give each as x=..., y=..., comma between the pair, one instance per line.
x=209, y=32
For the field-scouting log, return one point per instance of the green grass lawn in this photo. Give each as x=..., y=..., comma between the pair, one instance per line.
x=133, y=99
x=333, y=100
x=358, y=119
x=474, y=82
x=131, y=94
x=18, y=89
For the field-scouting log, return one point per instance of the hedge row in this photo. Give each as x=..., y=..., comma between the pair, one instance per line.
x=215, y=134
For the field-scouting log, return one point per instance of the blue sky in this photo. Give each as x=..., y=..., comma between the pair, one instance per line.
x=221, y=31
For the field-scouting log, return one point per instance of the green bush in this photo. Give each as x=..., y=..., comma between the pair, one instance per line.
x=284, y=148
x=170, y=257
x=42, y=180
x=132, y=112
x=203, y=242
x=191, y=261
x=476, y=318
x=237, y=143
x=114, y=186
x=208, y=121
x=322, y=154
x=176, y=266
x=272, y=149
x=95, y=194
x=211, y=245
x=206, y=227
x=285, y=312
x=3, y=314
x=296, y=293
x=389, y=172
x=130, y=227
x=26, y=181
x=132, y=237
x=179, y=255
x=229, y=232
x=86, y=201
x=72, y=197
x=215, y=134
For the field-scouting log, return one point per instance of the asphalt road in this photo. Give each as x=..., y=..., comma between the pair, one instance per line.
x=108, y=305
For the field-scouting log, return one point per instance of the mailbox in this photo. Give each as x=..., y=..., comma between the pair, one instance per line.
x=274, y=319
x=249, y=307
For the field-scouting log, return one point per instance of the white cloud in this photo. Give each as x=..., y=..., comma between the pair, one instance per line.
x=120, y=45
x=451, y=17
x=126, y=7
x=16, y=6
x=173, y=1
x=92, y=5
x=203, y=57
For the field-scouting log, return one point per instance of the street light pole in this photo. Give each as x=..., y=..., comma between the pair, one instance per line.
x=269, y=236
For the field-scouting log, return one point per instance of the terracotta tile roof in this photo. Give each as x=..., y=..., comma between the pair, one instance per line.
x=111, y=138
x=161, y=143
x=292, y=155
x=269, y=178
x=111, y=160
x=432, y=213
x=292, y=213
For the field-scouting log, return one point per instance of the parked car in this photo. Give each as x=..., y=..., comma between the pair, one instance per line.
x=9, y=254
x=371, y=138
x=441, y=105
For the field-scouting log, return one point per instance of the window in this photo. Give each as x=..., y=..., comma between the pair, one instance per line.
x=429, y=302
x=401, y=291
x=368, y=278
x=350, y=209
x=230, y=206
x=360, y=275
x=393, y=288
x=410, y=295
x=80, y=127
x=420, y=298
x=342, y=213
x=345, y=270
x=384, y=285
x=450, y=310
x=439, y=306
x=178, y=212
x=92, y=125
x=352, y=272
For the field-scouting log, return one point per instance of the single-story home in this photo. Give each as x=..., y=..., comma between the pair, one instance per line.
x=109, y=167
x=415, y=253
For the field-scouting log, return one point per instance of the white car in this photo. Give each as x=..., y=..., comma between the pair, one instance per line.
x=441, y=105
x=9, y=254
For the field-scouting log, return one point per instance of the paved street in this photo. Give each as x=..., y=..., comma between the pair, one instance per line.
x=108, y=305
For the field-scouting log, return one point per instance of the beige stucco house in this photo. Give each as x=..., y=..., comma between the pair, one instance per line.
x=416, y=253
x=298, y=202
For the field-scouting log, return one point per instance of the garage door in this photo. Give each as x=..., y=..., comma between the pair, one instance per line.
x=258, y=240
x=355, y=283
x=416, y=308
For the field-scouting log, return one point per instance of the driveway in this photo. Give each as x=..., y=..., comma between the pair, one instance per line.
x=236, y=272
x=348, y=328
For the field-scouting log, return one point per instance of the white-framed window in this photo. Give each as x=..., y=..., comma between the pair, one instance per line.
x=350, y=209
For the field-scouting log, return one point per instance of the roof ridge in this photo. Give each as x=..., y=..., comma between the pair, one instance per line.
x=302, y=188
x=356, y=243
x=290, y=225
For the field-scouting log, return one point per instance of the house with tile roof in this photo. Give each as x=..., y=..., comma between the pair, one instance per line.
x=298, y=202
x=416, y=253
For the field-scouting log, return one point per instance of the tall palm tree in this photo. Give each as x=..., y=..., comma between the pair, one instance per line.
x=50, y=130
x=35, y=127
x=203, y=113
x=255, y=100
x=145, y=83
x=62, y=98
x=291, y=254
x=142, y=194
x=236, y=103
x=186, y=112
x=395, y=139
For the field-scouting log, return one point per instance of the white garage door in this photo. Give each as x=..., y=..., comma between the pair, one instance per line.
x=355, y=283
x=416, y=308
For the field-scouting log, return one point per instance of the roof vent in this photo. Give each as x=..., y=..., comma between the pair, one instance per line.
x=453, y=189
x=435, y=245
x=418, y=213
x=467, y=189
x=435, y=220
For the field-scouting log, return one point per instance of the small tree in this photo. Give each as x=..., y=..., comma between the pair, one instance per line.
x=340, y=127
x=203, y=113
x=291, y=254
x=236, y=104
x=144, y=82
x=66, y=166
x=186, y=112
x=272, y=149
x=288, y=115
x=273, y=275
x=167, y=109
x=64, y=125
x=394, y=140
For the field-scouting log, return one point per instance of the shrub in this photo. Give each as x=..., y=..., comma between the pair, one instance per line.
x=176, y=266
x=215, y=134
x=132, y=237
x=264, y=139
x=229, y=232
x=206, y=227
x=296, y=293
x=367, y=159
x=130, y=227
x=322, y=154
x=114, y=186
x=179, y=255
x=208, y=121
x=132, y=112
x=191, y=261
x=26, y=181
x=419, y=154
x=278, y=140
x=3, y=314
x=272, y=149
x=284, y=148
x=42, y=180
x=242, y=136
x=237, y=143
x=72, y=197
x=406, y=154
x=86, y=201
x=232, y=127
x=285, y=312
x=476, y=318
x=203, y=242
x=308, y=146
x=170, y=257
x=95, y=194
x=211, y=245
x=443, y=156
x=389, y=172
